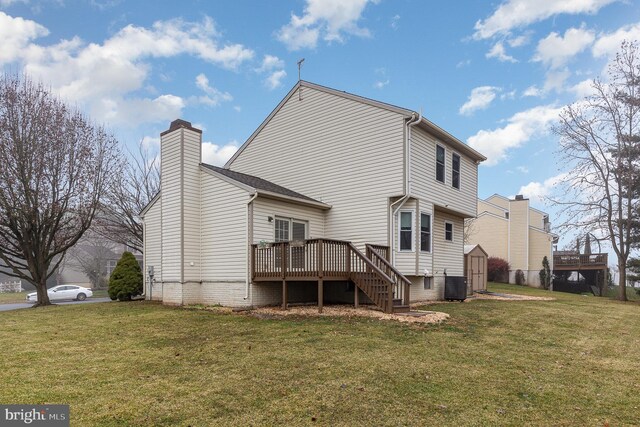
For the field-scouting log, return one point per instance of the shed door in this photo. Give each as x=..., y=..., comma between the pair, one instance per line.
x=477, y=276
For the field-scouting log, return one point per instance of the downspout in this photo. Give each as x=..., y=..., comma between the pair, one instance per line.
x=407, y=184
x=248, y=251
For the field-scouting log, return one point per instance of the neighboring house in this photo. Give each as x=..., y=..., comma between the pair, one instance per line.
x=289, y=217
x=512, y=230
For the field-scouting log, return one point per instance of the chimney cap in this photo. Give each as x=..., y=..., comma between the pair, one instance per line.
x=519, y=197
x=180, y=124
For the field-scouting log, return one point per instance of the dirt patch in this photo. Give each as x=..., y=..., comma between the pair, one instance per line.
x=348, y=311
x=511, y=297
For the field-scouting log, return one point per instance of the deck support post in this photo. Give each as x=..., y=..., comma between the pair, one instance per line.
x=356, y=296
x=320, y=274
x=284, y=294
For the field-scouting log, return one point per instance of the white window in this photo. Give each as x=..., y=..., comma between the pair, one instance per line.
x=406, y=231
x=425, y=232
x=448, y=231
x=455, y=171
x=290, y=229
x=440, y=163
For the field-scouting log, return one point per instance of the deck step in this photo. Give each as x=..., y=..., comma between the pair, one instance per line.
x=401, y=308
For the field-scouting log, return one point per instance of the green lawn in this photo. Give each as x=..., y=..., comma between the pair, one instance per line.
x=572, y=361
x=13, y=297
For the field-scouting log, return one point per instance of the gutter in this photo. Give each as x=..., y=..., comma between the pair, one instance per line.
x=248, y=251
x=407, y=184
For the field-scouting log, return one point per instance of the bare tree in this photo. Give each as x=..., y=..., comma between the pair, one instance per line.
x=91, y=256
x=136, y=184
x=468, y=230
x=54, y=169
x=599, y=140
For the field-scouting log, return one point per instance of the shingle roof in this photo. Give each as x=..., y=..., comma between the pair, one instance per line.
x=258, y=183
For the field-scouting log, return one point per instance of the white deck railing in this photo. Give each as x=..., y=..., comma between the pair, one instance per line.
x=11, y=287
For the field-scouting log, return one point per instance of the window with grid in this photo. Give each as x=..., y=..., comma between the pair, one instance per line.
x=455, y=171
x=448, y=231
x=440, y=163
x=425, y=232
x=406, y=231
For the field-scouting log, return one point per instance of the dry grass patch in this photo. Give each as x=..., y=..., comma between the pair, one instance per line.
x=426, y=317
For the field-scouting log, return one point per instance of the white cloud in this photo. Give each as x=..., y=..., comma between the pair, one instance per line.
x=331, y=19
x=394, y=22
x=521, y=127
x=275, y=79
x=519, y=41
x=508, y=95
x=7, y=3
x=556, y=50
x=555, y=80
x=609, y=44
x=133, y=111
x=539, y=191
x=513, y=14
x=213, y=96
x=523, y=169
x=381, y=83
x=15, y=35
x=464, y=63
x=532, y=91
x=110, y=75
x=479, y=99
x=498, y=51
x=151, y=143
x=270, y=62
x=217, y=155
x=583, y=89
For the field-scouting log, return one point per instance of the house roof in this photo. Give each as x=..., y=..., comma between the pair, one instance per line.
x=425, y=124
x=261, y=185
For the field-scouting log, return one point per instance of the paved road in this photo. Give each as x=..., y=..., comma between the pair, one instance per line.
x=9, y=307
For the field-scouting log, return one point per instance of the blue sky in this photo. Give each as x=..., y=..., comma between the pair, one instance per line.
x=493, y=74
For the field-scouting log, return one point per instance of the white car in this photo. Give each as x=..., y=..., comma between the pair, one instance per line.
x=64, y=292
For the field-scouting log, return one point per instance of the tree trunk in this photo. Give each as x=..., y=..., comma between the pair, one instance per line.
x=622, y=281
x=43, y=296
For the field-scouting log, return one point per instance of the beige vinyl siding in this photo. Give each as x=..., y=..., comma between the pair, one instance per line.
x=337, y=150
x=405, y=261
x=423, y=175
x=425, y=258
x=191, y=197
x=499, y=200
x=492, y=233
x=519, y=234
x=448, y=255
x=170, y=147
x=539, y=247
x=224, y=230
x=536, y=219
x=263, y=208
x=488, y=207
x=153, y=249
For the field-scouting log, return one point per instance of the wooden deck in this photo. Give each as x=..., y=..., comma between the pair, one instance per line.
x=332, y=260
x=577, y=262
